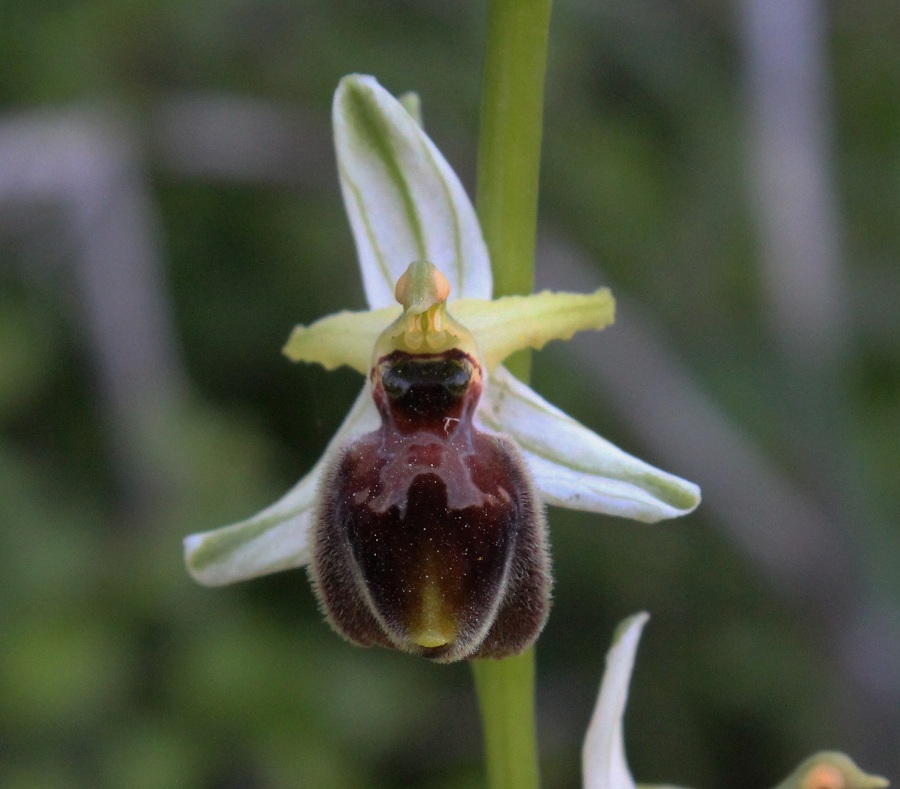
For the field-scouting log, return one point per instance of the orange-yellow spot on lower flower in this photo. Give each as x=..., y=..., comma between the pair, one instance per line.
x=825, y=776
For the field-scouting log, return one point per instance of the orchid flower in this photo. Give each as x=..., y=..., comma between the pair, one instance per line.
x=603, y=761
x=406, y=206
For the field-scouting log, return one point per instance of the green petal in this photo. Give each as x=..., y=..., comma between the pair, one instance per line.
x=603, y=755
x=574, y=467
x=831, y=770
x=500, y=327
x=345, y=338
x=512, y=323
x=404, y=201
x=279, y=537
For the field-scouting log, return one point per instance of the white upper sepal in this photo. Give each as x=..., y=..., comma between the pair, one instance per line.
x=278, y=537
x=603, y=760
x=404, y=201
x=574, y=467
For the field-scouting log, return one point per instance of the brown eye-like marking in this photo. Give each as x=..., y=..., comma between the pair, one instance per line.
x=430, y=538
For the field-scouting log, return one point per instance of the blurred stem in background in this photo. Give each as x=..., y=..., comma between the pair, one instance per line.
x=809, y=311
x=508, y=167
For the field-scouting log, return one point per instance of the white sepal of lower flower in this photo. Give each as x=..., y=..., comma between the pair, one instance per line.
x=406, y=204
x=603, y=760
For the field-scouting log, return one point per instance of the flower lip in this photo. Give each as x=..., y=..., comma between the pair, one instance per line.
x=428, y=523
x=429, y=537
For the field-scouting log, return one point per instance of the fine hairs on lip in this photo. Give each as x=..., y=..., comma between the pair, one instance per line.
x=430, y=538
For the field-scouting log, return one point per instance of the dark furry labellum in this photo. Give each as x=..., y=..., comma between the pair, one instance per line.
x=430, y=537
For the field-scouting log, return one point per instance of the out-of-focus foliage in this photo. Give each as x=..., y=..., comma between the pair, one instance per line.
x=117, y=671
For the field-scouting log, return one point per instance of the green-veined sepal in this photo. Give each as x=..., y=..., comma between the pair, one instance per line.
x=404, y=201
x=278, y=537
x=574, y=467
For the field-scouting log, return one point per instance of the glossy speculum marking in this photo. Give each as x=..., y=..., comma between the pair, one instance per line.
x=430, y=538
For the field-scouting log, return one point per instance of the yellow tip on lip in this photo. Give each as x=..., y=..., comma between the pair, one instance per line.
x=434, y=628
x=429, y=639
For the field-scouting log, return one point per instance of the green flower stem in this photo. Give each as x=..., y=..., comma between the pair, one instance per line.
x=512, y=107
x=506, y=697
x=508, y=169
x=509, y=148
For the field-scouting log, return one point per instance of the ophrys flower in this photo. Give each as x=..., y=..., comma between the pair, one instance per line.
x=603, y=761
x=405, y=204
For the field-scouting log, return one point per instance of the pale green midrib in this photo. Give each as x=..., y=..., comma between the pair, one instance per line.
x=459, y=264
x=220, y=545
x=672, y=494
x=371, y=127
x=370, y=233
x=228, y=539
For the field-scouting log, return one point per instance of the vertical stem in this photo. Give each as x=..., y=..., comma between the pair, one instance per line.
x=508, y=169
x=509, y=147
x=506, y=698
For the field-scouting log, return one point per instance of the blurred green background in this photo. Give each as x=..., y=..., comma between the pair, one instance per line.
x=169, y=208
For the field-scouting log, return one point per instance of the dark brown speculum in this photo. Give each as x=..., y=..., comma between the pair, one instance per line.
x=430, y=538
